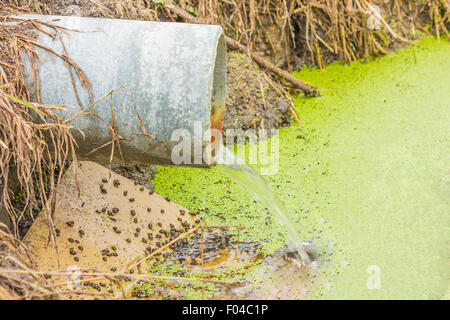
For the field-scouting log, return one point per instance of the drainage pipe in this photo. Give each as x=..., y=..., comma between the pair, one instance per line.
x=175, y=75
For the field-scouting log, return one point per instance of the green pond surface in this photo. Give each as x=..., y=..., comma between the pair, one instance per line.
x=366, y=177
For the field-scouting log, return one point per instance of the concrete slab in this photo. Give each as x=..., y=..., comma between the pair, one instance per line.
x=110, y=224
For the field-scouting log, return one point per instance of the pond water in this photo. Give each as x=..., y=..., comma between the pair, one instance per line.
x=366, y=178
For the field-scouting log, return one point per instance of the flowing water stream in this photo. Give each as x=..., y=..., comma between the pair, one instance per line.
x=240, y=172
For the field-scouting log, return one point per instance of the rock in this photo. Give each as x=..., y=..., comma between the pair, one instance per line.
x=290, y=251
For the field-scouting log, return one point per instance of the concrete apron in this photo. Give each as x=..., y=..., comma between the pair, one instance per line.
x=93, y=230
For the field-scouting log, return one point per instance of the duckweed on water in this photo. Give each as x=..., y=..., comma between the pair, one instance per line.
x=366, y=177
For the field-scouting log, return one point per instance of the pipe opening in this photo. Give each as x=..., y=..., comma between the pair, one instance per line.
x=219, y=95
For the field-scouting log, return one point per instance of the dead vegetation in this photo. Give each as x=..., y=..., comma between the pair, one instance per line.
x=294, y=32
x=26, y=283
x=25, y=127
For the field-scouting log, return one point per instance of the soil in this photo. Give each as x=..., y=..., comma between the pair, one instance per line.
x=82, y=8
x=110, y=214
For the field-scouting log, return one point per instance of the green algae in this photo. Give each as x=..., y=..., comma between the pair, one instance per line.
x=366, y=177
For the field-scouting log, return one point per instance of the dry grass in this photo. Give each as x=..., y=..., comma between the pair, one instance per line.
x=34, y=141
x=26, y=283
x=322, y=28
